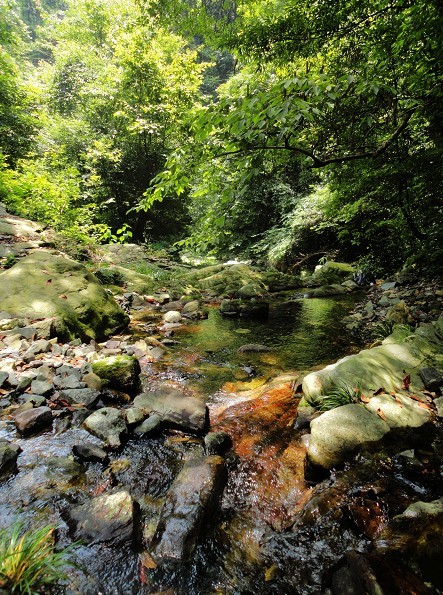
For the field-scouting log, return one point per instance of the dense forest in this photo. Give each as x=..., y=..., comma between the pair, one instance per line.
x=268, y=129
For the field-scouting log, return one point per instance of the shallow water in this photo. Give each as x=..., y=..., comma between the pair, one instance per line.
x=264, y=540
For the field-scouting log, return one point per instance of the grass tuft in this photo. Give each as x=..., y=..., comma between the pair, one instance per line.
x=28, y=560
x=340, y=395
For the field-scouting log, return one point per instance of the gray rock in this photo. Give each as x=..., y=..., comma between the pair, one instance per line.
x=432, y=379
x=36, y=400
x=8, y=457
x=150, y=425
x=336, y=434
x=33, y=420
x=189, y=413
x=3, y=378
x=41, y=387
x=67, y=382
x=176, y=305
x=134, y=416
x=388, y=285
x=87, y=397
x=108, y=518
x=93, y=381
x=107, y=424
x=25, y=382
x=189, y=507
x=90, y=452
x=40, y=346
x=439, y=405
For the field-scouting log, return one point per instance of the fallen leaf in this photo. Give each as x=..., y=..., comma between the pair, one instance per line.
x=46, y=272
x=365, y=398
x=406, y=382
x=147, y=561
x=63, y=296
x=381, y=414
x=424, y=406
x=415, y=398
x=379, y=391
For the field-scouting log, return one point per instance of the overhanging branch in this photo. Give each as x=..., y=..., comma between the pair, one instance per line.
x=323, y=161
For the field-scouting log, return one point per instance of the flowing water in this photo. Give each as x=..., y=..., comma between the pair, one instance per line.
x=275, y=532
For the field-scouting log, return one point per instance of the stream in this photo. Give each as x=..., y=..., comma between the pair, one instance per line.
x=278, y=530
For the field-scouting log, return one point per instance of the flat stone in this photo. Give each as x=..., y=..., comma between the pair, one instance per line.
x=174, y=407
x=253, y=348
x=399, y=412
x=40, y=346
x=41, y=387
x=36, y=400
x=80, y=396
x=67, y=382
x=108, y=518
x=134, y=416
x=33, y=420
x=152, y=424
x=172, y=316
x=3, y=378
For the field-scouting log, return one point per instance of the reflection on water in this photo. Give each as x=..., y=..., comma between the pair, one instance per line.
x=300, y=334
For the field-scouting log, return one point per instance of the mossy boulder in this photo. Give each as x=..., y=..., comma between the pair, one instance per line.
x=121, y=371
x=45, y=284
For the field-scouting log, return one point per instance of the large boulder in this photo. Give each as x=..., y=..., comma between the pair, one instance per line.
x=370, y=369
x=172, y=406
x=338, y=433
x=45, y=285
x=190, y=504
x=121, y=371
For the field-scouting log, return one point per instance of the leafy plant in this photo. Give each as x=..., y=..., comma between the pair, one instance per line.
x=383, y=329
x=28, y=560
x=339, y=395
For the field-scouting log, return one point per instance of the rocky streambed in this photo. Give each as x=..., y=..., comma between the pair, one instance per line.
x=166, y=488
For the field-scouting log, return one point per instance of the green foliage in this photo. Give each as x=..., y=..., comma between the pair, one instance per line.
x=109, y=276
x=339, y=395
x=28, y=560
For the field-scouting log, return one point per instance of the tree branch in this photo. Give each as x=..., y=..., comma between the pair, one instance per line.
x=321, y=161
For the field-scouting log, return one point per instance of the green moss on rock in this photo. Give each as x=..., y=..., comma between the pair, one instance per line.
x=121, y=371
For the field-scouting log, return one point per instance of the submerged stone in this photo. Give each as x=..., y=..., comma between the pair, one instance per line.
x=8, y=457
x=108, y=518
x=174, y=407
x=189, y=507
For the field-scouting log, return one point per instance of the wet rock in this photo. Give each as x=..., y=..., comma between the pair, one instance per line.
x=33, y=420
x=149, y=426
x=189, y=507
x=87, y=397
x=230, y=307
x=90, y=453
x=336, y=434
x=254, y=309
x=432, y=379
x=121, y=371
x=439, y=405
x=108, y=518
x=217, y=443
x=8, y=457
x=170, y=306
x=416, y=535
x=191, y=309
x=134, y=416
x=326, y=290
x=107, y=424
x=188, y=413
